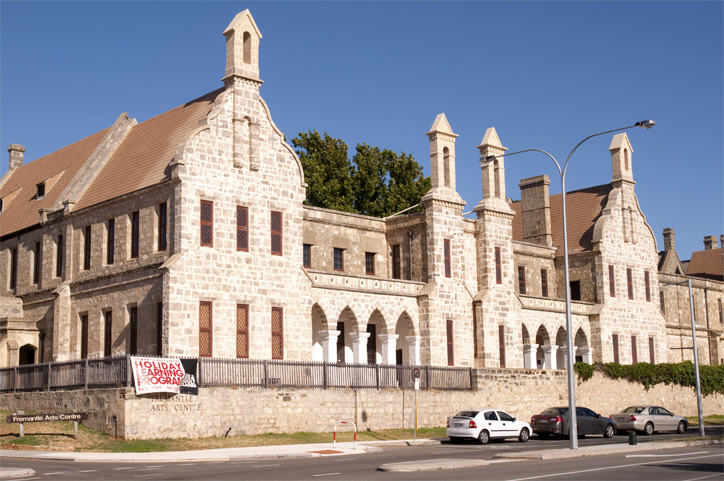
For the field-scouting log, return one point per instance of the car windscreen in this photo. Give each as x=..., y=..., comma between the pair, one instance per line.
x=467, y=414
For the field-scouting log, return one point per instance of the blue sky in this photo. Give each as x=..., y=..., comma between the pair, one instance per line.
x=544, y=74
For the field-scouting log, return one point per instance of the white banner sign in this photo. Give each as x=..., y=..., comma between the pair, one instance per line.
x=153, y=374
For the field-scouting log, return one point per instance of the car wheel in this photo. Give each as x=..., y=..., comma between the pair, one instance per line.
x=524, y=435
x=682, y=427
x=484, y=437
x=649, y=429
x=609, y=431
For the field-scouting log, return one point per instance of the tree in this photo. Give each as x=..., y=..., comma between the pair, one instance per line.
x=326, y=171
x=376, y=182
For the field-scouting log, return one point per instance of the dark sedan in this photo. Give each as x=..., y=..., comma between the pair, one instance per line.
x=556, y=421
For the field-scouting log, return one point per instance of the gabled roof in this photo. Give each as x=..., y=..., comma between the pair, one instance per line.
x=708, y=264
x=57, y=168
x=583, y=208
x=141, y=160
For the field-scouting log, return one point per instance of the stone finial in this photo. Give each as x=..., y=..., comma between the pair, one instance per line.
x=442, y=153
x=710, y=242
x=669, y=244
x=17, y=154
x=242, y=47
x=493, y=170
x=621, y=153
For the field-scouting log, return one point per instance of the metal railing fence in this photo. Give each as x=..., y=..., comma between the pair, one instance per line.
x=116, y=372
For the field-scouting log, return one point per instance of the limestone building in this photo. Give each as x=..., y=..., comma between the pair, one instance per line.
x=186, y=235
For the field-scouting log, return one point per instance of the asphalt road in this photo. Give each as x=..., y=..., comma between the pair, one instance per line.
x=693, y=463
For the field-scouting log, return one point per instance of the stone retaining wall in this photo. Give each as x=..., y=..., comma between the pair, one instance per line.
x=216, y=411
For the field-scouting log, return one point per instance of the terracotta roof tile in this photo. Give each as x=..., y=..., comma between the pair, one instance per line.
x=583, y=208
x=60, y=166
x=707, y=263
x=141, y=159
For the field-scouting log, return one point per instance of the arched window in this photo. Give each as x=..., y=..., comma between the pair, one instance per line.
x=247, y=47
x=446, y=165
x=496, y=165
x=625, y=159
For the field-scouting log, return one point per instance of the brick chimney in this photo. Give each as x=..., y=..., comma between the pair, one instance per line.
x=710, y=242
x=17, y=153
x=669, y=244
x=536, y=210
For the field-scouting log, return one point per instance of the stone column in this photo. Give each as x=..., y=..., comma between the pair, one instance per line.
x=389, y=345
x=564, y=350
x=549, y=352
x=61, y=323
x=359, y=346
x=329, y=345
x=587, y=354
x=413, y=343
x=529, y=359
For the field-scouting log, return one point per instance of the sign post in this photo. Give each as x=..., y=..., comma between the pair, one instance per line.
x=416, y=379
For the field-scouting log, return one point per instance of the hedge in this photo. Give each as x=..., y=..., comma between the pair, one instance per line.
x=682, y=374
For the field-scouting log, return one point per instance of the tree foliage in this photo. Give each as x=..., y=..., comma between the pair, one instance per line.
x=376, y=182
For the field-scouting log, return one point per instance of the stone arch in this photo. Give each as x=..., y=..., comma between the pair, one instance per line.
x=246, y=47
x=27, y=354
x=376, y=325
x=406, y=352
x=562, y=343
x=525, y=335
x=581, y=340
x=347, y=324
x=319, y=323
x=446, y=166
x=542, y=339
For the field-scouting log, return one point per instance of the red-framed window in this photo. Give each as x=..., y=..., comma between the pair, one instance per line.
x=634, y=352
x=162, y=226
x=307, y=256
x=629, y=283
x=338, y=259
x=207, y=223
x=242, y=331
x=83, y=336
x=614, y=338
x=206, y=324
x=276, y=234
x=59, y=256
x=498, y=267
x=521, y=279
x=87, y=248
x=652, y=355
x=396, y=264
x=370, y=263
x=133, y=322
x=611, y=281
x=448, y=264
x=647, y=283
x=277, y=332
x=13, y=268
x=107, y=332
x=544, y=282
x=38, y=262
x=135, y=234
x=111, y=242
x=242, y=228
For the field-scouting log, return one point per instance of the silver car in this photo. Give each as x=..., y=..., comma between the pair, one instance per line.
x=649, y=419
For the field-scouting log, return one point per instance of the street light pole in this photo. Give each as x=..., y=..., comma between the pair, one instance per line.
x=573, y=424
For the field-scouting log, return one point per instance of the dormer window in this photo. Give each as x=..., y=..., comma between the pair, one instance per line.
x=41, y=190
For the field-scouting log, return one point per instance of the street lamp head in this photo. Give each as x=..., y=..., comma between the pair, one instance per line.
x=645, y=124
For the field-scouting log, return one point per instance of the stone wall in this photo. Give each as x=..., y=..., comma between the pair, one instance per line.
x=253, y=411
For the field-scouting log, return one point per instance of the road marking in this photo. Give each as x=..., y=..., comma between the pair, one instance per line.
x=51, y=474
x=704, y=477
x=123, y=468
x=326, y=474
x=265, y=465
x=147, y=475
x=614, y=467
x=148, y=469
x=661, y=455
x=88, y=471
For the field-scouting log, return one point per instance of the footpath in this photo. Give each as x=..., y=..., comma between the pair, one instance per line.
x=327, y=449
